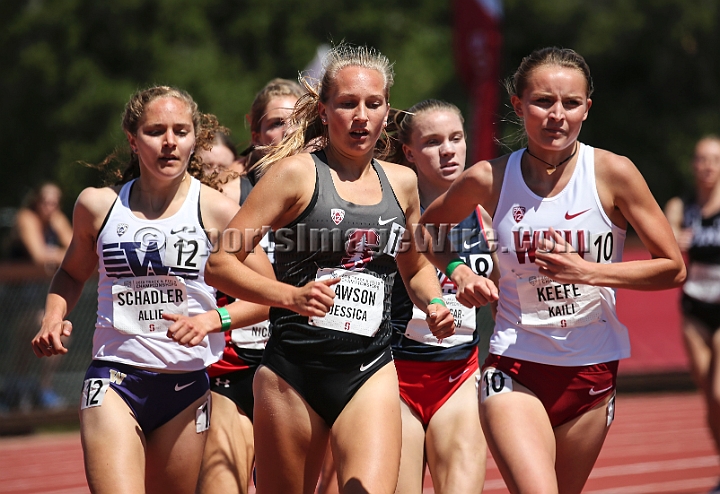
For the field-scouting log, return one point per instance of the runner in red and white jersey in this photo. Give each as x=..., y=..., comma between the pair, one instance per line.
x=560, y=210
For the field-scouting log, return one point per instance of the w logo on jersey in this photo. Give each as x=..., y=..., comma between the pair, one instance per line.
x=145, y=256
x=360, y=247
x=123, y=259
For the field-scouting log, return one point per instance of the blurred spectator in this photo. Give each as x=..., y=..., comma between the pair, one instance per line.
x=42, y=232
x=40, y=235
x=695, y=219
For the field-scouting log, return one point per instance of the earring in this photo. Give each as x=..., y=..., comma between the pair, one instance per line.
x=323, y=120
x=384, y=124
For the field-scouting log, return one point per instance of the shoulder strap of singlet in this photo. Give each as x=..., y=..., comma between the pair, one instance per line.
x=316, y=192
x=511, y=162
x=123, y=196
x=245, y=188
x=322, y=170
x=385, y=183
x=107, y=217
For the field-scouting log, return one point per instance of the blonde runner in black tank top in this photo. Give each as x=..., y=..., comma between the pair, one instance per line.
x=332, y=238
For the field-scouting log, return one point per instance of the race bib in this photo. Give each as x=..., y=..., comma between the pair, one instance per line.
x=139, y=303
x=185, y=248
x=358, y=305
x=493, y=382
x=252, y=337
x=417, y=328
x=546, y=303
x=93, y=392
x=202, y=416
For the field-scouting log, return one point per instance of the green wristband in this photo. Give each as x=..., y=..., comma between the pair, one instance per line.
x=438, y=300
x=452, y=265
x=225, y=319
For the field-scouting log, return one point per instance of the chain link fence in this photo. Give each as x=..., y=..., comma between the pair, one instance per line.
x=29, y=384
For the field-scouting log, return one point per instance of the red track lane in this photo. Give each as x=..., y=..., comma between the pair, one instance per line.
x=658, y=444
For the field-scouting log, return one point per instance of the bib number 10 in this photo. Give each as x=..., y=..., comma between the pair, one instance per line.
x=494, y=382
x=604, y=247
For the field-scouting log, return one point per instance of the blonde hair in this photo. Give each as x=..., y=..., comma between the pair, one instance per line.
x=274, y=89
x=307, y=129
x=402, y=125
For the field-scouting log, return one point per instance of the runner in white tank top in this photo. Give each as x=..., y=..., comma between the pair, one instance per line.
x=148, y=267
x=146, y=392
x=537, y=317
x=560, y=210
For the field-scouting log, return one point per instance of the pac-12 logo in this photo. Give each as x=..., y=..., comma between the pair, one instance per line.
x=359, y=247
x=518, y=213
x=337, y=215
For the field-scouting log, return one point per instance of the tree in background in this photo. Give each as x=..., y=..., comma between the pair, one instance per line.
x=656, y=70
x=69, y=65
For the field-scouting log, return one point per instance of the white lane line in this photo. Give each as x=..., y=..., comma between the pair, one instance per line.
x=654, y=466
x=672, y=486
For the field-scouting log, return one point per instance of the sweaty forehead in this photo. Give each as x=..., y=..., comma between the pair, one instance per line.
x=167, y=109
x=435, y=122
x=556, y=78
x=359, y=80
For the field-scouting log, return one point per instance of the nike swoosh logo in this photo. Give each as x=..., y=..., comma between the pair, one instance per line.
x=593, y=392
x=365, y=367
x=468, y=246
x=453, y=379
x=569, y=216
x=181, y=229
x=385, y=222
x=180, y=388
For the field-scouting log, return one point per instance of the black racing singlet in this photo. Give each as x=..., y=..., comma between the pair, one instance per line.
x=345, y=237
x=705, y=245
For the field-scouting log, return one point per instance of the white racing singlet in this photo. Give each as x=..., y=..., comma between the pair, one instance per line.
x=147, y=268
x=539, y=319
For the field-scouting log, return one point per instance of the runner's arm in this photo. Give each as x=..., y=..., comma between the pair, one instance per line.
x=78, y=265
x=620, y=181
x=447, y=210
x=280, y=197
x=417, y=273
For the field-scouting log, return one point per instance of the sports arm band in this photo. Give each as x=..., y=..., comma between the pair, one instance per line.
x=439, y=301
x=452, y=265
x=225, y=319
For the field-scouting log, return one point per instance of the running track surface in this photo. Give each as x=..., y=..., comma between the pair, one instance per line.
x=658, y=444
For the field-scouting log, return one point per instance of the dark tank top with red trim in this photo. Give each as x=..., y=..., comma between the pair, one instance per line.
x=337, y=238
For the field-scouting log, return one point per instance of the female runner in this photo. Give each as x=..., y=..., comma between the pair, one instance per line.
x=440, y=422
x=560, y=212
x=229, y=451
x=145, y=402
x=696, y=223
x=339, y=217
